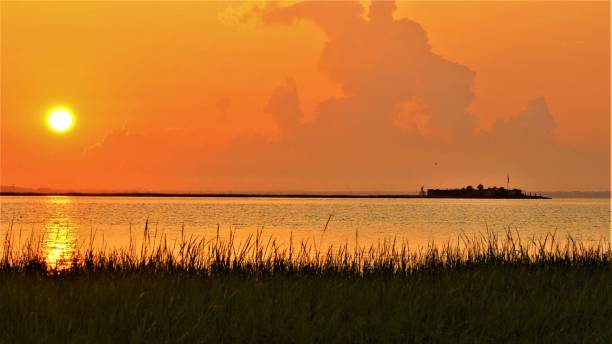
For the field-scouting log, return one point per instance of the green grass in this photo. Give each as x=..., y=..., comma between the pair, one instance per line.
x=483, y=289
x=477, y=304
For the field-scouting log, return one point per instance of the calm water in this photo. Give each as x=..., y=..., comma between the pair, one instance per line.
x=66, y=222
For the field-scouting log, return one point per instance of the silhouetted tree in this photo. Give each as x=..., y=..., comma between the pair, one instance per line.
x=480, y=187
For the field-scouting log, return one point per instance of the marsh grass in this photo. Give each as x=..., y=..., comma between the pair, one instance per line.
x=479, y=288
x=263, y=255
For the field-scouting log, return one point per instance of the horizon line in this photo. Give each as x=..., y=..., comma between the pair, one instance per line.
x=534, y=195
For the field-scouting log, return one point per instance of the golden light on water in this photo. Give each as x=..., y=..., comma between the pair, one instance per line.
x=59, y=238
x=60, y=120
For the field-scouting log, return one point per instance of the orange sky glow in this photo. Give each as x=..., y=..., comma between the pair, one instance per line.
x=306, y=96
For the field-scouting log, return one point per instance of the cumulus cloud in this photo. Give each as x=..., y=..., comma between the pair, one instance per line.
x=381, y=62
x=534, y=125
x=284, y=106
x=403, y=116
x=401, y=121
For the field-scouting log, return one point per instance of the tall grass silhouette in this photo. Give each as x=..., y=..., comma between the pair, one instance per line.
x=259, y=254
x=479, y=288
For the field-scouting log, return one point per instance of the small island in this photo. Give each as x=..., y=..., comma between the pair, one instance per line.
x=480, y=192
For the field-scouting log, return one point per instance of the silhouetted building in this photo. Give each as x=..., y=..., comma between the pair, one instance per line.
x=479, y=192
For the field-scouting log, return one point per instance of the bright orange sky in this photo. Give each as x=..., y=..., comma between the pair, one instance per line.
x=215, y=96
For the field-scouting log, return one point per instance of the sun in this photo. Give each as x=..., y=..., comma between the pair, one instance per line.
x=60, y=120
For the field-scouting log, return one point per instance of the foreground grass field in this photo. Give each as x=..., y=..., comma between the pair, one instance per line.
x=486, y=290
x=478, y=304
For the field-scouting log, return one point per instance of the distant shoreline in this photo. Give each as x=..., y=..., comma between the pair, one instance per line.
x=247, y=195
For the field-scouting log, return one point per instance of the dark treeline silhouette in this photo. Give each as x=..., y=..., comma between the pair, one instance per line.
x=480, y=192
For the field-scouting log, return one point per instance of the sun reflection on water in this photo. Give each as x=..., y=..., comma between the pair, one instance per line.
x=59, y=237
